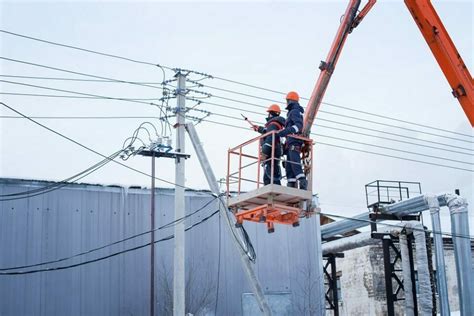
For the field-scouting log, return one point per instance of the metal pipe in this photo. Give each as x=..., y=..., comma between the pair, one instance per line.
x=441, y=282
x=414, y=205
x=425, y=298
x=406, y=271
x=348, y=243
x=462, y=252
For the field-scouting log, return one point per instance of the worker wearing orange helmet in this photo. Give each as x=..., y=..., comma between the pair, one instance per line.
x=293, y=146
x=274, y=123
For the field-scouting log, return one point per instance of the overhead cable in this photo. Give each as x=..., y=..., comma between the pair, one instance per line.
x=86, y=147
x=73, y=96
x=104, y=257
x=85, y=50
x=80, y=73
x=222, y=79
x=352, y=117
x=353, y=149
x=58, y=185
x=80, y=93
x=367, y=144
x=339, y=106
x=171, y=224
x=78, y=79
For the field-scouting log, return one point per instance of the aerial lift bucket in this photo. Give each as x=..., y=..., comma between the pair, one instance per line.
x=247, y=196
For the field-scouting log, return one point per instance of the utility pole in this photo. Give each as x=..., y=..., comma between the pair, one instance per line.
x=157, y=149
x=179, y=207
x=152, y=252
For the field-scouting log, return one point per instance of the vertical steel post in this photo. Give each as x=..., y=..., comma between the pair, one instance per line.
x=335, y=298
x=272, y=161
x=240, y=169
x=412, y=273
x=388, y=275
x=152, y=228
x=179, y=206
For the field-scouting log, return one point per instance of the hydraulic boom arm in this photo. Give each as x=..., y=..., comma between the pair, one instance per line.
x=435, y=35
x=445, y=53
x=349, y=22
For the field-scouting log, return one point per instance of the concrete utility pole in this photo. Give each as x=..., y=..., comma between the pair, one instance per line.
x=157, y=149
x=179, y=211
x=152, y=252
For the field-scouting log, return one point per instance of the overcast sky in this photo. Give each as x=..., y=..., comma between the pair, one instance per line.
x=386, y=68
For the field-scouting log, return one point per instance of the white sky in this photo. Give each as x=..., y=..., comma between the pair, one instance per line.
x=385, y=68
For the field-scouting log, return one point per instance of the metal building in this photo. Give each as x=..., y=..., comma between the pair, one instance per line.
x=80, y=217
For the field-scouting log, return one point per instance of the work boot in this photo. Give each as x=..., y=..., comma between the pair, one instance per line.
x=303, y=183
x=291, y=184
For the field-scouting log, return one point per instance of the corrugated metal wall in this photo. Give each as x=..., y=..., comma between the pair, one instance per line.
x=80, y=217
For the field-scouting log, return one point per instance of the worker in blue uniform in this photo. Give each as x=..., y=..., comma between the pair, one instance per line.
x=293, y=146
x=274, y=123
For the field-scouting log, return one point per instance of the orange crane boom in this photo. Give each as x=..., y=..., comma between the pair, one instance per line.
x=445, y=52
x=435, y=35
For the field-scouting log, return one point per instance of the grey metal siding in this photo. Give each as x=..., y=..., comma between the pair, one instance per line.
x=80, y=217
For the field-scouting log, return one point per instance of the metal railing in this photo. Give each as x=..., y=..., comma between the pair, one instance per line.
x=245, y=162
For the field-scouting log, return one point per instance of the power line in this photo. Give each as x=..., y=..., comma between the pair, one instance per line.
x=137, y=99
x=395, y=126
x=80, y=93
x=109, y=244
x=394, y=140
x=394, y=134
x=80, y=73
x=346, y=124
x=72, y=96
x=354, y=149
x=86, y=147
x=204, y=85
x=235, y=82
x=413, y=160
x=352, y=117
x=330, y=104
x=367, y=144
x=108, y=256
x=85, y=50
x=79, y=117
x=56, y=186
x=400, y=226
x=78, y=80
x=354, y=132
x=399, y=150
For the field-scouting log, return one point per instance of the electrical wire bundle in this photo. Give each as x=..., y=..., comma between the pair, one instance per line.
x=58, y=185
x=7, y=270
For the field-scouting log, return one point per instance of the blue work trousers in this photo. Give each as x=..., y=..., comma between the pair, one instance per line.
x=294, y=170
x=268, y=172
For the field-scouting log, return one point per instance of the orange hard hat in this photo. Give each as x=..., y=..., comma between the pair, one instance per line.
x=293, y=96
x=274, y=108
